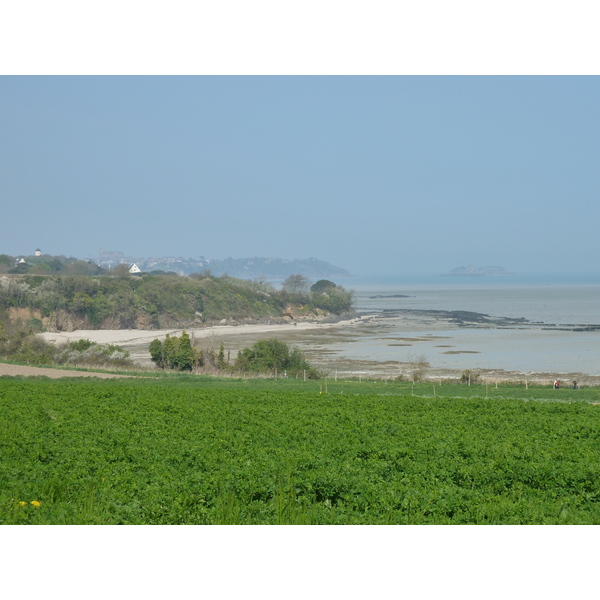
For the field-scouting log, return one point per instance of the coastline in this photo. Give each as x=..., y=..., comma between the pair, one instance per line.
x=234, y=337
x=327, y=345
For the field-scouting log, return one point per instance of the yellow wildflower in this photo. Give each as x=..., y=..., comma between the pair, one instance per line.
x=36, y=503
x=22, y=503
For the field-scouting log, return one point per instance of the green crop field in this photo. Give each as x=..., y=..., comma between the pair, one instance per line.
x=195, y=450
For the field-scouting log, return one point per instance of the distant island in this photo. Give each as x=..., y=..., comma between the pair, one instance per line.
x=472, y=271
x=391, y=296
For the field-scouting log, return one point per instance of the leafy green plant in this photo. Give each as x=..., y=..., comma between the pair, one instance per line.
x=197, y=450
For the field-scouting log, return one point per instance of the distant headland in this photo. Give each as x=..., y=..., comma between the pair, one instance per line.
x=270, y=269
x=273, y=269
x=472, y=271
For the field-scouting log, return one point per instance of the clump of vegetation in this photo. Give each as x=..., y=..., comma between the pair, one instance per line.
x=418, y=367
x=124, y=301
x=270, y=356
x=87, y=353
x=275, y=356
x=324, y=294
x=176, y=353
x=24, y=346
x=469, y=377
x=19, y=342
x=47, y=265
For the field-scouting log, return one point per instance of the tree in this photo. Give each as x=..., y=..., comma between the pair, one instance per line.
x=418, y=367
x=296, y=284
x=121, y=270
x=329, y=296
x=82, y=267
x=20, y=269
x=176, y=353
x=221, y=364
x=170, y=346
x=184, y=357
x=322, y=286
x=198, y=357
x=6, y=262
x=156, y=353
x=41, y=268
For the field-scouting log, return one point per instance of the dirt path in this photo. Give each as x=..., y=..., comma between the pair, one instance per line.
x=6, y=369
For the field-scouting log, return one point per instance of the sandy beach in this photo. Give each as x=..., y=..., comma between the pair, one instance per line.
x=133, y=337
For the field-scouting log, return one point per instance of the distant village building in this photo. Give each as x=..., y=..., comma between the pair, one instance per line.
x=38, y=252
x=134, y=269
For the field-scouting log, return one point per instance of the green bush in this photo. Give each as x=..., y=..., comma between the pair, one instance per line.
x=328, y=296
x=175, y=353
x=272, y=355
x=35, y=325
x=322, y=286
x=81, y=345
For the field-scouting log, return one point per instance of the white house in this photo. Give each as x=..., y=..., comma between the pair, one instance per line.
x=38, y=252
x=134, y=269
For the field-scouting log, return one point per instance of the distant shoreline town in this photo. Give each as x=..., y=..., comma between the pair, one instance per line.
x=272, y=269
x=245, y=268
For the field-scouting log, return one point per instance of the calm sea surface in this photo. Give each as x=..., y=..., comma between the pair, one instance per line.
x=545, y=342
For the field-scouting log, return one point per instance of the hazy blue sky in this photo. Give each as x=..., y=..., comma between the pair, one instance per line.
x=389, y=174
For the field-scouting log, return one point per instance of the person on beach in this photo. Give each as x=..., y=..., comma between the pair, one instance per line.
x=575, y=386
x=556, y=384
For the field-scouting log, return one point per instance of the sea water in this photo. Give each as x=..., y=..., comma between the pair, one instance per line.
x=547, y=341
